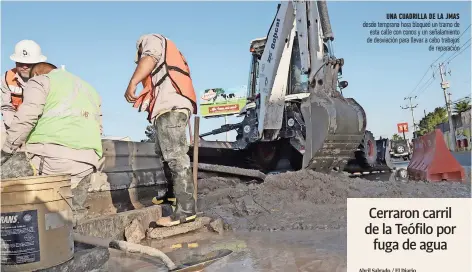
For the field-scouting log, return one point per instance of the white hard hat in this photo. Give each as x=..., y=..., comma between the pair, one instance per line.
x=28, y=51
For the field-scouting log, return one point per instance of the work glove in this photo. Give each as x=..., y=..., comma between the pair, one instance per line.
x=5, y=156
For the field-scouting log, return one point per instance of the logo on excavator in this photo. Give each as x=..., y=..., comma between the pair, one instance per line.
x=275, y=36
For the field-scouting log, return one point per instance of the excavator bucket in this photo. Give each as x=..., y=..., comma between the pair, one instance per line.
x=335, y=125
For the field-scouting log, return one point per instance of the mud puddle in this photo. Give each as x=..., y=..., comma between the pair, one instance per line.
x=293, y=221
x=305, y=200
x=252, y=251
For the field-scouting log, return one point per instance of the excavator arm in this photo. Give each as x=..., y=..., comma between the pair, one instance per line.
x=311, y=30
x=323, y=129
x=334, y=125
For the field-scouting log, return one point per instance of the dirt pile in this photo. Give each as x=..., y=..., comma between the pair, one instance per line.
x=303, y=199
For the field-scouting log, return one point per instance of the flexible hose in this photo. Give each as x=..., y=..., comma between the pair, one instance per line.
x=126, y=247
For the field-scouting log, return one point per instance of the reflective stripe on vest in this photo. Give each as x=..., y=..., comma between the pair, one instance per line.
x=178, y=72
x=15, y=88
x=66, y=109
x=71, y=115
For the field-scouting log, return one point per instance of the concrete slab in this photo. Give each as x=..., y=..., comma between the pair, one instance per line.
x=117, y=201
x=113, y=226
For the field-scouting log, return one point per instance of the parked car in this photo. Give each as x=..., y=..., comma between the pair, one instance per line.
x=400, y=149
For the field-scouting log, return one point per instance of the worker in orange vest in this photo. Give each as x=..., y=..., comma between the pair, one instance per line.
x=169, y=98
x=27, y=53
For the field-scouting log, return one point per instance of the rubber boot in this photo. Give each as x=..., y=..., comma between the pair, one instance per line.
x=169, y=197
x=185, y=210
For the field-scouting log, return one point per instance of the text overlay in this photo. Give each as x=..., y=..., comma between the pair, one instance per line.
x=434, y=31
x=409, y=234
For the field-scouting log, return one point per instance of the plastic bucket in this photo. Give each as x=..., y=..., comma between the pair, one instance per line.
x=36, y=222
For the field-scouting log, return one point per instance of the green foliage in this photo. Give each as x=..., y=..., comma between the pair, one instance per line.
x=396, y=137
x=432, y=119
x=462, y=106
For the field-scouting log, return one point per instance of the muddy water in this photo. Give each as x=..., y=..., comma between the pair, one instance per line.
x=252, y=251
x=305, y=200
x=292, y=222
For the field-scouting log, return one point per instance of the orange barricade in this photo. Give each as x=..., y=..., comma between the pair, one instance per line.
x=416, y=159
x=434, y=162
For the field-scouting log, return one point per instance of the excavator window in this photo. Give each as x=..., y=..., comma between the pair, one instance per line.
x=297, y=81
x=253, y=86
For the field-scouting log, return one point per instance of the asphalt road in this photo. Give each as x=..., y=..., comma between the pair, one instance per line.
x=464, y=159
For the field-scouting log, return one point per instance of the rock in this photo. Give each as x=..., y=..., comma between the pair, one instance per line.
x=160, y=232
x=86, y=258
x=217, y=225
x=134, y=233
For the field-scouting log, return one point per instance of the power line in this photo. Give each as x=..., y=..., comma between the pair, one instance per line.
x=420, y=81
x=456, y=101
x=432, y=63
x=460, y=52
x=411, y=107
x=427, y=83
x=426, y=87
x=445, y=86
x=460, y=99
x=446, y=51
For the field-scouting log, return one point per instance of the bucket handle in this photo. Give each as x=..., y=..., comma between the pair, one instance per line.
x=70, y=205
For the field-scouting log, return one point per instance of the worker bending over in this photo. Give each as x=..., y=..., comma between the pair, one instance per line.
x=59, y=124
x=26, y=54
x=169, y=98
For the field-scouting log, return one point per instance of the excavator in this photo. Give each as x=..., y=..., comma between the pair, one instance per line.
x=296, y=116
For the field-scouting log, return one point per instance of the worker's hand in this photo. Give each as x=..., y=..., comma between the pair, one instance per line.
x=130, y=93
x=5, y=156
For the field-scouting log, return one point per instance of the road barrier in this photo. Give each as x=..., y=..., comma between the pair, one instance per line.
x=432, y=160
x=126, y=165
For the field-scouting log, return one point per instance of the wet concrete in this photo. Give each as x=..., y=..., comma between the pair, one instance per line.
x=262, y=251
x=294, y=221
x=305, y=200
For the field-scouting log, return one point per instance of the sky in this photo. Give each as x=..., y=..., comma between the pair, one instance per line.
x=96, y=41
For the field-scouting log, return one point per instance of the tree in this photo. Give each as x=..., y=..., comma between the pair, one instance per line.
x=396, y=137
x=462, y=106
x=150, y=134
x=431, y=120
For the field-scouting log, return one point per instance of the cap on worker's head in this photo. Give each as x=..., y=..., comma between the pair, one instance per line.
x=28, y=51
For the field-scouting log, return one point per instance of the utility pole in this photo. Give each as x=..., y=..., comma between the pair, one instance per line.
x=445, y=86
x=411, y=107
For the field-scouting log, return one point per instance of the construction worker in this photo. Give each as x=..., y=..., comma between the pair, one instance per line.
x=59, y=125
x=27, y=53
x=169, y=98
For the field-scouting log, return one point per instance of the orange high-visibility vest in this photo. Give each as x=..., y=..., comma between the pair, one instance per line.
x=15, y=88
x=179, y=74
